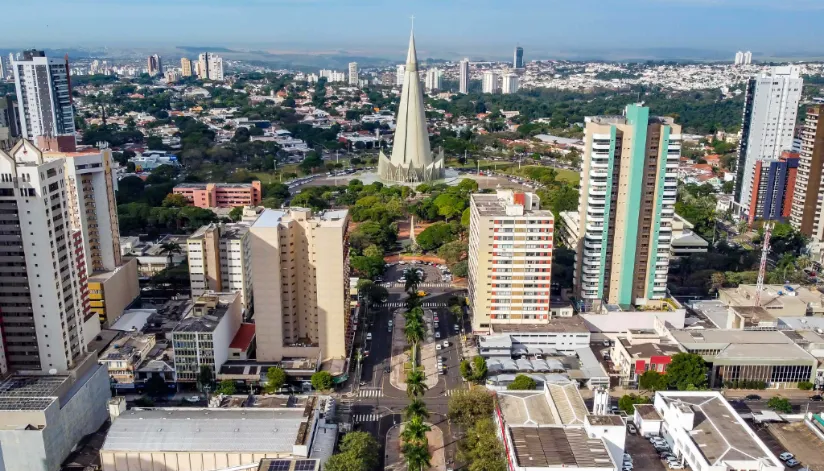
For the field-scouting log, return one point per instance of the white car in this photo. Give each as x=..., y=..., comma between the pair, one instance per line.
x=369, y=336
x=786, y=456
x=437, y=334
x=438, y=347
x=446, y=343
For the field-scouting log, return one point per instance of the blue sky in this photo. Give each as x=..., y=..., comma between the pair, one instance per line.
x=443, y=27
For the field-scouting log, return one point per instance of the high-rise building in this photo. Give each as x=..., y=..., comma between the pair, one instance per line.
x=43, y=323
x=203, y=66
x=739, y=58
x=518, y=61
x=399, y=74
x=510, y=83
x=463, y=76
x=2, y=69
x=433, y=79
x=628, y=187
x=301, y=283
x=44, y=99
x=10, y=65
x=185, y=67
x=220, y=259
x=353, y=74
x=155, y=65
x=775, y=182
x=807, y=214
x=747, y=58
x=490, y=82
x=510, y=259
x=172, y=75
x=768, y=124
x=412, y=159
x=215, y=68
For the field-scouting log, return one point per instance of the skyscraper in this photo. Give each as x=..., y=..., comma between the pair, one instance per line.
x=2, y=69
x=433, y=79
x=44, y=326
x=220, y=259
x=399, y=74
x=353, y=74
x=412, y=160
x=185, y=67
x=463, y=76
x=518, y=61
x=44, y=96
x=301, y=283
x=628, y=186
x=510, y=83
x=770, y=108
x=203, y=66
x=807, y=214
x=510, y=259
x=155, y=65
x=747, y=58
x=490, y=82
x=739, y=58
x=210, y=67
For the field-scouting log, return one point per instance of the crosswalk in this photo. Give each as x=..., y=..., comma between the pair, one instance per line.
x=450, y=392
x=370, y=393
x=395, y=304
x=366, y=417
x=389, y=284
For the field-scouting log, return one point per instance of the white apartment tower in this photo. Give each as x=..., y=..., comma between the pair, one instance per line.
x=399, y=74
x=510, y=83
x=768, y=124
x=510, y=259
x=210, y=67
x=739, y=58
x=747, y=58
x=44, y=98
x=44, y=326
x=2, y=69
x=490, y=82
x=301, y=283
x=433, y=79
x=463, y=76
x=220, y=259
x=353, y=74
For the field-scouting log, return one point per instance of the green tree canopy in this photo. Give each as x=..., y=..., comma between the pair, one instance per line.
x=358, y=452
x=467, y=406
x=275, y=379
x=628, y=401
x=226, y=387
x=322, y=381
x=522, y=382
x=687, y=370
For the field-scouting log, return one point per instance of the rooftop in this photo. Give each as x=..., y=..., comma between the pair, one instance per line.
x=207, y=312
x=794, y=297
x=202, y=186
x=541, y=447
x=647, y=350
x=559, y=324
x=270, y=464
x=236, y=430
x=495, y=205
x=557, y=404
x=244, y=336
x=232, y=231
x=719, y=433
x=647, y=412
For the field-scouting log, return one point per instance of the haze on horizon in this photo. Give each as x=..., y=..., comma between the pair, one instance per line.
x=484, y=28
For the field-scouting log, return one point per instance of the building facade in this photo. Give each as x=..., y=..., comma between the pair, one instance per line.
x=518, y=60
x=155, y=65
x=463, y=76
x=490, y=82
x=433, y=79
x=628, y=189
x=775, y=184
x=768, y=124
x=301, y=283
x=185, y=67
x=353, y=74
x=807, y=207
x=510, y=83
x=221, y=195
x=43, y=323
x=45, y=103
x=510, y=259
x=220, y=259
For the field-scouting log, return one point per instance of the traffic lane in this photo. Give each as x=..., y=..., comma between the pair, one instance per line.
x=378, y=348
x=799, y=405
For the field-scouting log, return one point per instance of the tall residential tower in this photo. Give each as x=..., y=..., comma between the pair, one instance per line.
x=628, y=186
x=807, y=214
x=463, y=76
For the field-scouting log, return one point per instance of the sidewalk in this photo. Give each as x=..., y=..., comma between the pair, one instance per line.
x=392, y=449
x=768, y=393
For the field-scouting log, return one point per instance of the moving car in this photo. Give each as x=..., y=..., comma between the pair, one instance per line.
x=438, y=346
x=752, y=397
x=369, y=336
x=816, y=398
x=437, y=334
x=422, y=293
x=445, y=343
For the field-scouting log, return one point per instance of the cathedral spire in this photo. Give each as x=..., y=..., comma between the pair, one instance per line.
x=412, y=55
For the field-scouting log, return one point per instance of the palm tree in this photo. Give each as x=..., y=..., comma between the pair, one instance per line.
x=413, y=300
x=415, y=430
x=415, y=385
x=413, y=330
x=416, y=408
x=413, y=279
x=414, y=313
x=417, y=455
x=170, y=248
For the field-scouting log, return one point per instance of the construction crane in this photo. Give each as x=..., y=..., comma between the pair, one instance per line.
x=762, y=269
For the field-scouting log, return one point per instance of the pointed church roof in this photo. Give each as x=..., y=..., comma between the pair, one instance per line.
x=411, y=143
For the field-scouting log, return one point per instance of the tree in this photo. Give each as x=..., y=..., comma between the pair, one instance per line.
x=415, y=382
x=156, y=386
x=170, y=249
x=413, y=279
x=652, y=381
x=236, y=213
x=414, y=332
x=275, y=379
x=226, y=387
x=414, y=431
x=416, y=408
x=467, y=406
x=479, y=369
x=805, y=385
x=416, y=455
x=628, y=401
x=481, y=449
x=466, y=370
x=687, y=369
x=452, y=252
x=322, y=381
x=371, y=292
x=205, y=377
x=359, y=452
x=780, y=404
x=522, y=383
x=175, y=200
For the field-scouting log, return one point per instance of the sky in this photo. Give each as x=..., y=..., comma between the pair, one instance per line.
x=443, y=28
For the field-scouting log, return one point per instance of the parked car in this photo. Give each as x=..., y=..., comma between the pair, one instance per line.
x=438, y=346
x=437, y=333
x=792, y=462
x=816, y=398
x=631, y=428
x=753, y=397
x=369, y=336
x=786, y=456
x=445, y=343
x=675, y=465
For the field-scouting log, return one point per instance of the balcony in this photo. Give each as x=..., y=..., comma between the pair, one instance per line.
x=597, y=173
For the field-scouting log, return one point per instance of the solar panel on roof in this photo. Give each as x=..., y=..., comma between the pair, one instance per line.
x=305, y=465
x=279, y=465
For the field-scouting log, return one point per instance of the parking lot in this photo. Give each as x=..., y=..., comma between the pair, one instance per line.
x=795, y=438
x=431, y=274
x=644, y=456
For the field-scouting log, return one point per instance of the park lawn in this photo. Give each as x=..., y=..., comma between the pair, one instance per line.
x=567, y=175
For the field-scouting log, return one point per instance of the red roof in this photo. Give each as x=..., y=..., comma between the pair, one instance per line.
x=244, y=336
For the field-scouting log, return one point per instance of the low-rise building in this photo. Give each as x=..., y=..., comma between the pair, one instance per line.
x=220, y=195
x=150, y=160
x=111, y=292
x=778, y=300
x=684, y=240
x=154, y=257
x=641, y=350
x=707, y=434
x=124, y=356
x=203, y=337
